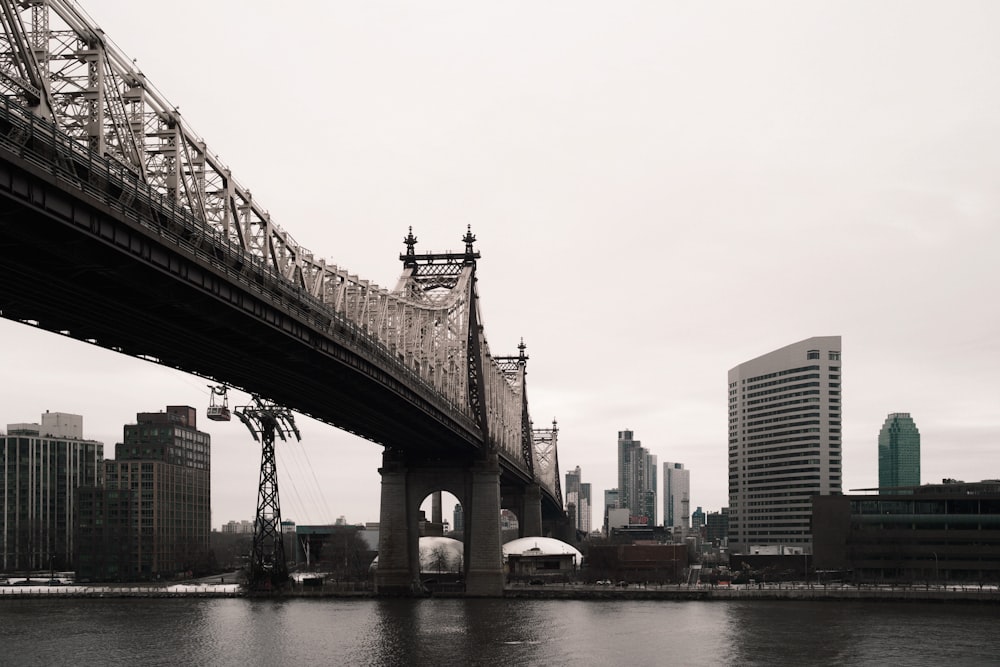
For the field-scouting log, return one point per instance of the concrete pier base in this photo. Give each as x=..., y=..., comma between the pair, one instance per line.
x=405, y=484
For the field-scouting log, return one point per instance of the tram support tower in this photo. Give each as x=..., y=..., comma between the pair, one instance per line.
x=268, y=566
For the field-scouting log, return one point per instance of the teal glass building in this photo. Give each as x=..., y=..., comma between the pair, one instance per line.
x=898, y=452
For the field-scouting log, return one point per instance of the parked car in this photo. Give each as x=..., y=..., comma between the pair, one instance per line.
x=54, y=582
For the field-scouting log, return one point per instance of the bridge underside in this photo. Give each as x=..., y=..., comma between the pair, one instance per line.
x=150, y=288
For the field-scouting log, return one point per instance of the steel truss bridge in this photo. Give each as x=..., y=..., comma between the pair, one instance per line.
x=120, y=227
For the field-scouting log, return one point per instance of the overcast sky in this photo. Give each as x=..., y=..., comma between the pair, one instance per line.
x=660, y=191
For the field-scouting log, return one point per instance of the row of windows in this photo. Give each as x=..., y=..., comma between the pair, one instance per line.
x=806, y=415
x=786, y=380
x=770, y=434
x=809, y=403
x=769, y=440
x=812, y=392
x=755, y=479
x=785, y=529
x=833, y=355
x=789, y=371
x=786, y=503
x=776, y=465
x=762, y=448
x=790, y=455
x=783, y=515
x=786, y=390
x=799, y=406
x=786, y=489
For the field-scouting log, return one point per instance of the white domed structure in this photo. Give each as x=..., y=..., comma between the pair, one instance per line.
x=438, y=555
x=441, y=554
x=545, y=546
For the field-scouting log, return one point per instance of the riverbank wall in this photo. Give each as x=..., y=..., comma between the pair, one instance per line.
x=970, y=594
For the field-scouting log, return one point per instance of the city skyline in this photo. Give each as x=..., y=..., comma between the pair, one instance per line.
x=744, y=177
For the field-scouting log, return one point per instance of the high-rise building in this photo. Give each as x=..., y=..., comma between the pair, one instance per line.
x=612, y=501
x=41, y=468
x=157, y=493
x=578, y=499
x=583, y=511
x=636, y=479
x=698, y=518
x=572, y=491
x=676, y=496
x=898, y=452
x=784, y=442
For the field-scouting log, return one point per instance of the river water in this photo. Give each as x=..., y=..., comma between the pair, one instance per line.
x=438, y=632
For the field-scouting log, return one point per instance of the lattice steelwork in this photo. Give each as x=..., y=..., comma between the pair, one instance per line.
x=268, y=565
x=440, y=328
x=59, y=66
x=514, y=370
x=547, y=461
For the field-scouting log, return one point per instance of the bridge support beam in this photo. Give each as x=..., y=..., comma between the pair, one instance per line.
x=526, y=503
x=483, y=555
x=398, y=570
x=531, y=514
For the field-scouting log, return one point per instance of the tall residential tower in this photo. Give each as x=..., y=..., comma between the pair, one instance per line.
x=784, y=442
x=898, y=452
x=636, y=479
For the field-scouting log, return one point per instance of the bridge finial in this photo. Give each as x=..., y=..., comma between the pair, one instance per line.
x=410, y=240
x=520, y=350
x=469, y=239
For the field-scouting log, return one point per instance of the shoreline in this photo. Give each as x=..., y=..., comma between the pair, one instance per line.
x=786, y=593
x=965, y=594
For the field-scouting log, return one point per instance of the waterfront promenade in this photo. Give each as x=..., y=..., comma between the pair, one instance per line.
x=791, y=592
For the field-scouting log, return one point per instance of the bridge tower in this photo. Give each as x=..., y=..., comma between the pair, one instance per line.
x=473, y=478
x=268, y=566
x=525, y=500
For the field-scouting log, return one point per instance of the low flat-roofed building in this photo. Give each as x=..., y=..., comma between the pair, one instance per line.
x=638, y=562
x=935, y=532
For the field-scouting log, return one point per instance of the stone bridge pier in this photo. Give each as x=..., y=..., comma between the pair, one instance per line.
x=405, y=485
x=526, y=503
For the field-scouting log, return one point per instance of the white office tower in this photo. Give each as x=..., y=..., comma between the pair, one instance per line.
x=784, y=443
x=676, y=496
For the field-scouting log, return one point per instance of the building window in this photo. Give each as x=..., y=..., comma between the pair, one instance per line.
x=812, y=354
x=835, y=356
